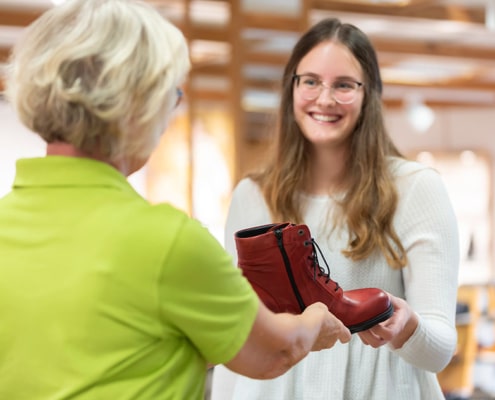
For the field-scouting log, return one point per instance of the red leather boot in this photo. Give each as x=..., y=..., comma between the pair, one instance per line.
x=280, y=261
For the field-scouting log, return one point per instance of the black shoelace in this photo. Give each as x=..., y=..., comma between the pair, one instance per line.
x=316, y=264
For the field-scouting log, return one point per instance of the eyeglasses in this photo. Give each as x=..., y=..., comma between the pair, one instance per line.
x=343, y=91
x=180, y=95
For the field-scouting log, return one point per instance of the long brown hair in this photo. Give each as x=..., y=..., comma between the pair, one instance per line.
x=371, y=199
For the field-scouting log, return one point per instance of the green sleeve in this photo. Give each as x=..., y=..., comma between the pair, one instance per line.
x=204, y=296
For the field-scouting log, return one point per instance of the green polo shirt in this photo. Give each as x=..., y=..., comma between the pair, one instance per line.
x=104, y=296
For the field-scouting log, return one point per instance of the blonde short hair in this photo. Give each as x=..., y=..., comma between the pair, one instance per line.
x=98, y=74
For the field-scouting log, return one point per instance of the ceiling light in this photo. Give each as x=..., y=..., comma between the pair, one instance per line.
x=419, y=115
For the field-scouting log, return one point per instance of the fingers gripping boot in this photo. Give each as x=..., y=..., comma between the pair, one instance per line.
x=281, y=263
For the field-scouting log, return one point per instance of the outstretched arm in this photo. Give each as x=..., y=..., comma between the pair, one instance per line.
x=278, y=341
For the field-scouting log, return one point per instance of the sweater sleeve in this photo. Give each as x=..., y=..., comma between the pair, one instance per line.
x=427, y=225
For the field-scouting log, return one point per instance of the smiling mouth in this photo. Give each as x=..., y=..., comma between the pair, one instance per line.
x=325, y=118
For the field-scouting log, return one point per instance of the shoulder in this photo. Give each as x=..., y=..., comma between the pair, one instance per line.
x=408, y=173
x=169, y=222
x=247, y=186
x=152, y=223
x=155, y=226
x=420, y=187
x=402, y=167
x=247, y=208
x=248, y=194
x=162, y=214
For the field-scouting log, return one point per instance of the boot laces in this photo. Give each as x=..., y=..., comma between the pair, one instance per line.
x=317, y=268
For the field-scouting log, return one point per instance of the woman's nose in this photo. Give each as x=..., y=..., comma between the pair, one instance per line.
x=326, y=96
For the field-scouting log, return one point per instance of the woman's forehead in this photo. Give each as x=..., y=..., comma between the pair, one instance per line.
x=330, y=59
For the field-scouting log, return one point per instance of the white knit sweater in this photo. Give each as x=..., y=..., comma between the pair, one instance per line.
x=426, y=225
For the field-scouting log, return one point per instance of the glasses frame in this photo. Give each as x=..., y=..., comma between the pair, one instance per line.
x=321, y=84
x=180, y=95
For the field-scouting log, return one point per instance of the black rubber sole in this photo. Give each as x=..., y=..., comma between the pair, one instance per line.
x=373, y=321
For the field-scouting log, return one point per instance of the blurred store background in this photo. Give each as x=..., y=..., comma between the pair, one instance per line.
x=437, y=60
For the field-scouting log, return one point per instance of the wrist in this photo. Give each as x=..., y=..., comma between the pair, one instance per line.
x=407, y=332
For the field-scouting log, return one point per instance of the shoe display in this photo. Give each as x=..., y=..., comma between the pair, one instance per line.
x=281, y=263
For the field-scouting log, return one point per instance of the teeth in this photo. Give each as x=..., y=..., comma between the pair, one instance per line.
x=325, y=118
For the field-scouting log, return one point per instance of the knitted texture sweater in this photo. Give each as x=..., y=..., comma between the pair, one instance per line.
x=426, y=225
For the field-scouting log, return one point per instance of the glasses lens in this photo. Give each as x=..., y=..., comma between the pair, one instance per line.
x=345, y=92
x=308, y=86
x=310, y=93
x=344, y=97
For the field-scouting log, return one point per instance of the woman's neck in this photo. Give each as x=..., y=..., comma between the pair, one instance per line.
x=327, y=173
x=68, y=150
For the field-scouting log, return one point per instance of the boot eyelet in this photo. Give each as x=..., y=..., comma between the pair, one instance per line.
x=307, y=243
x=300, y=232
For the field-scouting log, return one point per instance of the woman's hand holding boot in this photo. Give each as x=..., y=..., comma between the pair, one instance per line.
x=396, y=330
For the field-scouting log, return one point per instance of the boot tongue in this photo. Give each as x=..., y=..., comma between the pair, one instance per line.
x=322, y=269
x=325, y=278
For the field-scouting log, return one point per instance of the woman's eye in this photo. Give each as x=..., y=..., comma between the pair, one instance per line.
x=310, y=82
x=344, y=85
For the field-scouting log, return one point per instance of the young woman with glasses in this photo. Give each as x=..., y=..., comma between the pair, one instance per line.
x=380, y=220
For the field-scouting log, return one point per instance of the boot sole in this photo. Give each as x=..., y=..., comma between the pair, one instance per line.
x=373, y=321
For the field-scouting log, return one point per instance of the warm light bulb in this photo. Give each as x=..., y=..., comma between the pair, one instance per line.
x=420, y=116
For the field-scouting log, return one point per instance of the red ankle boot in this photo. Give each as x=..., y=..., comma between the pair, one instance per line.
x=280, y=261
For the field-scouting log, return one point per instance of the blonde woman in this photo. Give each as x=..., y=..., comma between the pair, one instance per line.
x=102, y=295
